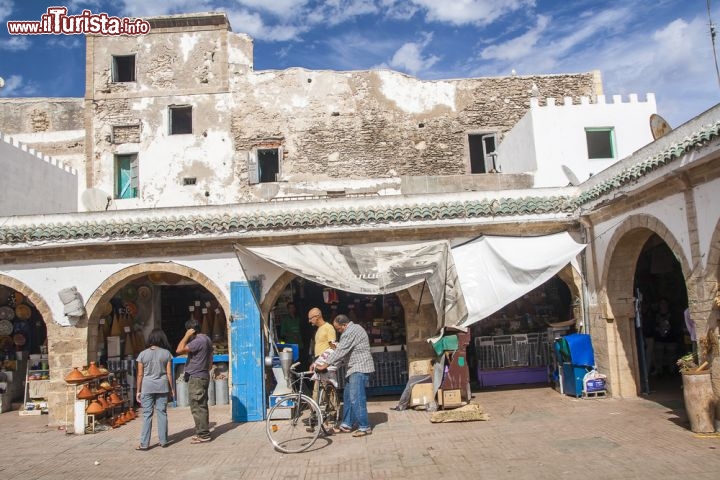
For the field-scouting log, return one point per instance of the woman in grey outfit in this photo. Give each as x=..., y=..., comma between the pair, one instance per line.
x=154, y=386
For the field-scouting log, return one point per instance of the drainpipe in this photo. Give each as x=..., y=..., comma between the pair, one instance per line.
x=586, y=224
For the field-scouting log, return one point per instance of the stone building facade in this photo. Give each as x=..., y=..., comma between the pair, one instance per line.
x=359, y=157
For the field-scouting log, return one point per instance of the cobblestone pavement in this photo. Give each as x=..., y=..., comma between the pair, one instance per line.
x=532, y=433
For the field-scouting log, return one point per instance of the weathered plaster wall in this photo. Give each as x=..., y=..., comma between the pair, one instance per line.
x=708, y=208
x=35, y=115
x=189, y=66
x=379, y=123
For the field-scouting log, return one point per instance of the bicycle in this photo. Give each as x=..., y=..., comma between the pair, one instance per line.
x=329, y=403
x=296, y=420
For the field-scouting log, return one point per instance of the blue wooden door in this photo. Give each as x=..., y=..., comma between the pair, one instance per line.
x=247, y=355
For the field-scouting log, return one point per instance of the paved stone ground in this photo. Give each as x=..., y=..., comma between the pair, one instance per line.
x=532, y=433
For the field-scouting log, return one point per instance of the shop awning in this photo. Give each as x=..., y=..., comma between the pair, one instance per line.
x=467, y=283
x=494, y=271
x=371, y=269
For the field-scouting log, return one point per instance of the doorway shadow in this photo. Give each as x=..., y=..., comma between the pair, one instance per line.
x=666, y=391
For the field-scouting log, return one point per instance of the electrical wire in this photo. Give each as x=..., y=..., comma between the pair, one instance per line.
x=712, y=39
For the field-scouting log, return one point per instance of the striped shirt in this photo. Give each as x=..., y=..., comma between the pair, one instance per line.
x=354, y=346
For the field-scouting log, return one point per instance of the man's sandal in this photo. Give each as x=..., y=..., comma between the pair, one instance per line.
x=341, y=429
x=362, y=433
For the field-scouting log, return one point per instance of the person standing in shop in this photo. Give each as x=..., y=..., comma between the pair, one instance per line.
x=290, y=331
x=198, y=348
x=665, y=338
x=354, y=349
x=324, y=336
x=290, y=326
x=154, y=386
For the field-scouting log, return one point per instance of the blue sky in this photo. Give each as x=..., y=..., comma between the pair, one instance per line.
x=640, y=46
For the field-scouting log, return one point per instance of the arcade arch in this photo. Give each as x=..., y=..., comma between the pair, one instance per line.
x=620, y=354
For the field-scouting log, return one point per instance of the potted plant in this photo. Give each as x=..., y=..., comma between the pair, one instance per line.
x=698, y=394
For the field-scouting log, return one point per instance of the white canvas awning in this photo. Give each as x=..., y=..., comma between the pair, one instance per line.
x=494, y=271
x=467, y=283
x=372, y=269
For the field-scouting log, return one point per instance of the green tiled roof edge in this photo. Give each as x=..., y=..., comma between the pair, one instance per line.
x=634, y=172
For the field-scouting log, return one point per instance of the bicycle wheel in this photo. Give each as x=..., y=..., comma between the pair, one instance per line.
x=329, y=403
x=291, y=425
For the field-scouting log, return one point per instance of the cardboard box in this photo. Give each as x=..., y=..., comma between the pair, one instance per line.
x=422, y=394
x=420, y=367
x=451, y=398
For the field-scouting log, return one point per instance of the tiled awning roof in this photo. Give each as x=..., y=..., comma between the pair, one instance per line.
x=297, y=216
x=297, y=219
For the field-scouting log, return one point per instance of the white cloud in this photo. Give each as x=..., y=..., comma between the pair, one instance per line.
x=409, y=58
x=68, y=42
x=674, y=60
x=286, y=9
x=398, y=9
x=462, y=12
x=353, y=51
x=517, y=47
x=253, y=24
x=77, y=6
x=145, y=8
x=14, y=86
x=15, y=43
x=6, y=8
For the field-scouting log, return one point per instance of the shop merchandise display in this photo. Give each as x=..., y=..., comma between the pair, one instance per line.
x=23, y=354
x=106, y=396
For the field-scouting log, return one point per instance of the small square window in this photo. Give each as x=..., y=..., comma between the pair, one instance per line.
x=482, y=153
x=123, y=68
x=264, y=165
x=600, y=142
x=126, y=176
x=180, y=120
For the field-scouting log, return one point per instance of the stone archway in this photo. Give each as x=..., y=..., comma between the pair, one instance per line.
x=420, y=321
x=619, y=357
x=105, y=291
x=703, y=311
x=58, y=338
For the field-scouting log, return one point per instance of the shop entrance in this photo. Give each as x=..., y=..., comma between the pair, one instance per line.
x=661, y=335
x=136, y=304
x=382, y=317
x=24, y=362
x=514, y=346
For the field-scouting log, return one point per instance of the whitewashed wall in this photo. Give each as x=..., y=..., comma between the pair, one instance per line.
x=557, y=134
x=33, y=183
x=49, y=278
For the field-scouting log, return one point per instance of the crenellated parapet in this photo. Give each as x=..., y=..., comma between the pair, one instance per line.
x=595, y=100
x=39, y=155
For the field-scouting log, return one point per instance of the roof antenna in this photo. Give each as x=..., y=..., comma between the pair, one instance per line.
x=712, y=38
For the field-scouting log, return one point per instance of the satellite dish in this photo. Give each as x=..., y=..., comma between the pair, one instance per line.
x=95, y=200
x=572, y=178
x=658, y=126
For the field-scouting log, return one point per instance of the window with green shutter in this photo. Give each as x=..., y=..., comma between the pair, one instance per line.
x=600, y=142
x=126, y=176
